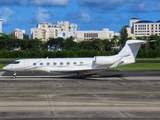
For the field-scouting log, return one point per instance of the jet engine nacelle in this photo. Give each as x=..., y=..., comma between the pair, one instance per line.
x=105, y=60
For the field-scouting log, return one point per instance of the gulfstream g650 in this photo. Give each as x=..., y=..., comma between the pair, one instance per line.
x=81, y=66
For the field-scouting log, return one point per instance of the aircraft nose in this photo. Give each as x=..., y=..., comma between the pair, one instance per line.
x=5, y=68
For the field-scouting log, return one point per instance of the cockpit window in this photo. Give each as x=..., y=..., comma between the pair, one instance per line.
x=15, y=62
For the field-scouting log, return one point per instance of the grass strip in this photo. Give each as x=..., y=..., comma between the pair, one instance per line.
x=139, y=66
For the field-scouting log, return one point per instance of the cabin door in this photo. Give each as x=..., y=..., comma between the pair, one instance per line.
x=26, y=63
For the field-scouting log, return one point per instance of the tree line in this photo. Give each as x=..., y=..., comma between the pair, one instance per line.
x=11, y=47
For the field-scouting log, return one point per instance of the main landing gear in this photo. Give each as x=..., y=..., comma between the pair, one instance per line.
x=84, y=76
x=14, y=75
x=81, y=75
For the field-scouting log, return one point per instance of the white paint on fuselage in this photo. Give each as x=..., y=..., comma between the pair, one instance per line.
x=54, y=65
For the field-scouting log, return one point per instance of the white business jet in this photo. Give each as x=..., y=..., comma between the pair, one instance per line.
x=81, y=66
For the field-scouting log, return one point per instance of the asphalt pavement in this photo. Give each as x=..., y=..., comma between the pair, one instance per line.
x=115, y=95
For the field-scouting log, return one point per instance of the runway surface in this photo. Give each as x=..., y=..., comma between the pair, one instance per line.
x=117, y=95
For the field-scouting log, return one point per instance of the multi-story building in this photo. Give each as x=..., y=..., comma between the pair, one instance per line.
x=86, y=35
x=18, y=33
x=0, y=25
x=139, y=28
x=47, y=30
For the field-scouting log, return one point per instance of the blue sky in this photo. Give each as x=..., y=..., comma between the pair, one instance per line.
x=87, y=14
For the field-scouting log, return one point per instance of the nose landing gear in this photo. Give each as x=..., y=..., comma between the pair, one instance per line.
x=14, y=75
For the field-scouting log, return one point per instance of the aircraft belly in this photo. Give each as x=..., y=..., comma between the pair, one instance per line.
x=61, y=69
x=68, y=69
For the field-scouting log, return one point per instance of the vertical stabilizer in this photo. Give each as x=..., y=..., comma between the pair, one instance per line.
x=130, y=50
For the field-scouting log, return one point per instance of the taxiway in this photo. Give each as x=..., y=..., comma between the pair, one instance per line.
x=116, y=95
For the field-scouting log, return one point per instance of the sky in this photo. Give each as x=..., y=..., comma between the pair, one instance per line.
x=87, y=14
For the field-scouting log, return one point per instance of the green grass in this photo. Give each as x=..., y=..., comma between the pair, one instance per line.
x=2, y=65
x=147, y=58
x=139, y=66
x=9, y=59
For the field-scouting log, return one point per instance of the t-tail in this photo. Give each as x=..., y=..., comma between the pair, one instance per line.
x=130, y=50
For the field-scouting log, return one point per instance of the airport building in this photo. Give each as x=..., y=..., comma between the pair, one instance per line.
x=101, y=34
x=18, y=33
x=47, y=30
x=140, y=28
x=0, y=25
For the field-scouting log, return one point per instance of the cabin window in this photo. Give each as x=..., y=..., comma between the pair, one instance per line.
x=74, y=63
x=61, y=63
x=41, y=63
x=54, y=63
x=68, y=63
x=34, y=63
x=48, y=63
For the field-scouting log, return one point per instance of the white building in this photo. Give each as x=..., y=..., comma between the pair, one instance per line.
x=86, y=35
x=0, y=25
x=18, y=33
x=62, y=29
x=139, y=28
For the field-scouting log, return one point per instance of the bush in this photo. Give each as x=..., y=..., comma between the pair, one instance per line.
x=143, y=53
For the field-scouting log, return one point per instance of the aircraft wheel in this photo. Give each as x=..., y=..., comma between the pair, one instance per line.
x=14, y=77
x=83, y=77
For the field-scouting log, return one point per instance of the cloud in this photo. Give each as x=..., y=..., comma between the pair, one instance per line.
x=103, y=5
x=144, y=6
x=79, y=16
x=50, y=2
x=41, y=15
x=110, y=5
x=35, y=2
x=84, y=16
x=21, y=20
x=13, y=2
x=156, y=7
x=6, y=14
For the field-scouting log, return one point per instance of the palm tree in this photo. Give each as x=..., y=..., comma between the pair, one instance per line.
x=123, y=36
